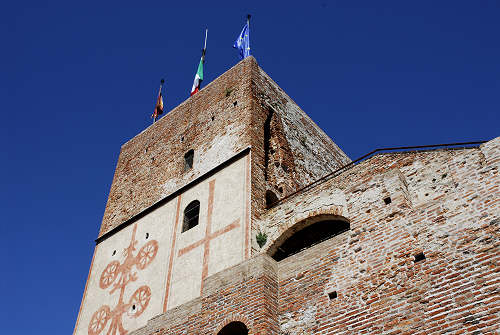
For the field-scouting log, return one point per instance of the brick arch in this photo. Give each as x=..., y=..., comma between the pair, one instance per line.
x=232, y=318
x=331, y=214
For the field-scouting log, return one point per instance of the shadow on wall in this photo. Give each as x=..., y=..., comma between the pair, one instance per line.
x=307, y=233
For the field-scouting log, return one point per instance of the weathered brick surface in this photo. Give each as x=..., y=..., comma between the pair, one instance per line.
x=247, y=292
x=225, y=117
x=445, y=203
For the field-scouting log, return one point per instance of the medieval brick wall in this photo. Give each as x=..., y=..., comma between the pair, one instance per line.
x=444, y=204
x=441, y=203
x=151, y=165
x=247, y=292
x=225, y=117
x=299, y=151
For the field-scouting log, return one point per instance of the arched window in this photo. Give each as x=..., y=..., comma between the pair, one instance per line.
x=307, y=233
x=271, y=198
x=191, y=215
x=234, y=328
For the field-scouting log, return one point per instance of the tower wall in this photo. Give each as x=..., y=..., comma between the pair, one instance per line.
x=153, y=256
x=381, y=287
x=149, y=275
x=151, y=165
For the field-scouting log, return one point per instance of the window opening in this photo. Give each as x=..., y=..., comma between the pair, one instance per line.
x=309, y=236
x=188, y=160
x=271, y=198
x=234, y=328
x=191, y=215
x=387, y=200
x=267, y=141
x=419, y=257
x=332, y=295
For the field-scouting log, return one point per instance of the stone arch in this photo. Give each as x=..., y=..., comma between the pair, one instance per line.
x=234, y=328
x=306, y=233
x=234, y=320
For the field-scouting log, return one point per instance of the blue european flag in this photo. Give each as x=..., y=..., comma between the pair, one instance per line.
x=242, y=43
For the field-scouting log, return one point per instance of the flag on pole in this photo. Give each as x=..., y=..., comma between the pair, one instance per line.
x=159, y=104
x=198, y=78
x=242, y=43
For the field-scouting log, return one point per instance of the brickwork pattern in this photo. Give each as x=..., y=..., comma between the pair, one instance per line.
x=247, y=292
x=444, y=204
x=218, y=122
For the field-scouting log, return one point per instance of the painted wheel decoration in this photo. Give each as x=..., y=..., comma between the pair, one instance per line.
x=108, y=276
x=140, y=300
x=147, y=254
x=99, y=320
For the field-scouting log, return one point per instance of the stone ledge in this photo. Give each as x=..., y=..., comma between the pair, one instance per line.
x=256, y=266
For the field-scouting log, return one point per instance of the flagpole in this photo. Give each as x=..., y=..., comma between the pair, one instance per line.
x=206, y=34
x=248, y=31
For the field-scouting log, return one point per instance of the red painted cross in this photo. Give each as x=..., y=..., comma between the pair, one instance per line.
x=208, y=234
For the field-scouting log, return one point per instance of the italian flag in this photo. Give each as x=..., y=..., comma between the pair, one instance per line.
x=198, y=78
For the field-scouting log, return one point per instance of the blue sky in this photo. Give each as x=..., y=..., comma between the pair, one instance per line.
x=78, y=79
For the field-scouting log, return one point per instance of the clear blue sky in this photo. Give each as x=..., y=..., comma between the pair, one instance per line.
x=79, y=78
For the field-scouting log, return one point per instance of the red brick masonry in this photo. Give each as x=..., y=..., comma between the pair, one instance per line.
x=444, y=204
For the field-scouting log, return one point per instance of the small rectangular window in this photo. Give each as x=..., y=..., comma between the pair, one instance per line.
x=188, y=160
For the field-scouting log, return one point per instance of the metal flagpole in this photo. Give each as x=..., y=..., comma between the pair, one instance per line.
x=206, y=34
x=248, y=32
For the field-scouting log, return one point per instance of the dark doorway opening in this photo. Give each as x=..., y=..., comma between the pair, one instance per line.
x=234, y=328
x=308, y=236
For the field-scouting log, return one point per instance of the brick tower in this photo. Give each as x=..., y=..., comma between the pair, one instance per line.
x=215, y=224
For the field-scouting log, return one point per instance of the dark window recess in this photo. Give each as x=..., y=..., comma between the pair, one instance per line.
x=332, y=295
x=267, y=141
x=419, y=257
x=309, y=236
x=271, y=198
x=387, y=200
x=234, y=328
x=188, y=160
x=191, y=215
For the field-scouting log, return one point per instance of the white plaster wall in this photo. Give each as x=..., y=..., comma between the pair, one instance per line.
x=226, y=250
x=158, y=225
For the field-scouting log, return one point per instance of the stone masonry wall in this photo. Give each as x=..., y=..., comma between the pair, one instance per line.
x=226, y=116
x=444, y=204
x=214, y=123
x=247, y=292
x=300, y=152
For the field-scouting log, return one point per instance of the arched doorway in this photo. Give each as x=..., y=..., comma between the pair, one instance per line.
x=307, y=233
x=234, y=328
